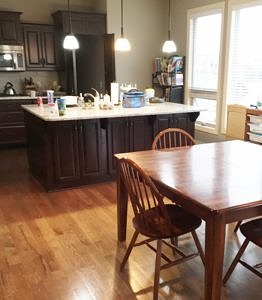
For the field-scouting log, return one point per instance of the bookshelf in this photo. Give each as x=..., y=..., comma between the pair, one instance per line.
x=168, y=78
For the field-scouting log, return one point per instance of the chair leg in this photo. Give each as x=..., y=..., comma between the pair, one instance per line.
x=157, y=269
x=174, y=241
x=198, y=245
x=236, y=260
x=129, y=249
x=237, y=226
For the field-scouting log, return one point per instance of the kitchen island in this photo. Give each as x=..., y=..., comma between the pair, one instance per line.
x=78, y=148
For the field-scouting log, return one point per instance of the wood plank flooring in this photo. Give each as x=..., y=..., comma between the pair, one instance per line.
x=63, y=246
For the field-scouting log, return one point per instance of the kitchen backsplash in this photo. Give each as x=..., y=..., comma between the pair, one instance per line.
x=42, y=79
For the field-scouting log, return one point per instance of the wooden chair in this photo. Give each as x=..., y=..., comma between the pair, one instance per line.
x=237, y=226
x=172, y=138
x=252, y=231
x=155, y=220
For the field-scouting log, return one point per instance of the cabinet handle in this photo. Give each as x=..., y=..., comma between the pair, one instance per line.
x=81, y=128
x=75, y=128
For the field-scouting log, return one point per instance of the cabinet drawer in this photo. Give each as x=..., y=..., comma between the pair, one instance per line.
x=12, y=117
x=13, y=105
x=11, y=135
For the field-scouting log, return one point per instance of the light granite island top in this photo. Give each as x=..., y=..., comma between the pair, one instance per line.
x=77, y=113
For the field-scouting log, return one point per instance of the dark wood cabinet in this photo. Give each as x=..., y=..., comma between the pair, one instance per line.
x=94, y=61
x=64, y=154
x=10, y=28
x=126, y=135
x=40, y=49
x=12, y=127
x=183, y=120
x=82, y=22
x=76, y=152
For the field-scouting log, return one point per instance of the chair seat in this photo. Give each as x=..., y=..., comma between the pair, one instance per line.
x=154, y=225
x=252, y=230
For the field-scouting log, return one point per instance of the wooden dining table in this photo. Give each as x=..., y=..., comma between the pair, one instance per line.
x=218, y=182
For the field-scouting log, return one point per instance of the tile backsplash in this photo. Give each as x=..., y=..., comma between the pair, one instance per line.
x=44, y=79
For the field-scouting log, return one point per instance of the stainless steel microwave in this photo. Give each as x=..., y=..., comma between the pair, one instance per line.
x=12, y=58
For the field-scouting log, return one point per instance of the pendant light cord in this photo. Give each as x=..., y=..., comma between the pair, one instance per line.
x=69, y=13
x=169, y=21
x=122, y=28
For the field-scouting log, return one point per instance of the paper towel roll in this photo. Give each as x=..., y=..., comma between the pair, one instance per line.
x=115, y=92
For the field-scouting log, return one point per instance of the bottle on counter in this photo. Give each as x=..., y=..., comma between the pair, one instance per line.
x=80, y=101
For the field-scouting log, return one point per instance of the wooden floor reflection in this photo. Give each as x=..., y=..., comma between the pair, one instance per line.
x=63, y=245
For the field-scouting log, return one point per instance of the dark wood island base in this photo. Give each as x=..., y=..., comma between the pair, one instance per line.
x=68, y=153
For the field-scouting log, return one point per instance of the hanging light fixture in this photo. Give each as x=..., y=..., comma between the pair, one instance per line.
x=122, y=44
x=70, y=41
x=169, y=45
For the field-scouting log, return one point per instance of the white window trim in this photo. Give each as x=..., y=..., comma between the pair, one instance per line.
x=232, y=5
x=197, y=12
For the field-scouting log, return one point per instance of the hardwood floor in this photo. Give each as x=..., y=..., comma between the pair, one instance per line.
x=63, y=246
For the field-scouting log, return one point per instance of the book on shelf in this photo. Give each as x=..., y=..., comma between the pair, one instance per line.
x=172, y=64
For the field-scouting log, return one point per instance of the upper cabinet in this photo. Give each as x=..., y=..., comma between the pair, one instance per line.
x=82, y=23
x=10, y=28
x=40, y=51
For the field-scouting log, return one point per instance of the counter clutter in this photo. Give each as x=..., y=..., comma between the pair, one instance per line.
x=50, y=113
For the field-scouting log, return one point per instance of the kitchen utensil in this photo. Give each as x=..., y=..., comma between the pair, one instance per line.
x=9, y=89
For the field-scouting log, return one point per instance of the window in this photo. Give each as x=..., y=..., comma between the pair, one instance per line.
x=204, y=44
x=244, y=76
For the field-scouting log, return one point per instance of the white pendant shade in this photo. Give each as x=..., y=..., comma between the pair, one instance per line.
x=70, y=42
x=122, y=44
x=169, y=46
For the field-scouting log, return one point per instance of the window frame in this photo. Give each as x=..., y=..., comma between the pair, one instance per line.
x=232, y=5
x=189, y=93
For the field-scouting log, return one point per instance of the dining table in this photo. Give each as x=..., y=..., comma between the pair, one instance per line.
x=219, y=182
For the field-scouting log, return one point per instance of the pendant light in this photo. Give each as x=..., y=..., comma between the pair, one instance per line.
x=70, y=41
x=169, y=46
x=122, y=44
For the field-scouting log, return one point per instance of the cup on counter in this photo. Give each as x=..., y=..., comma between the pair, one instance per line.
x=33, y=94
x=61, y=103
x=50, y=96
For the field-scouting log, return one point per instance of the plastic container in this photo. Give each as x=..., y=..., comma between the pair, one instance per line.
x=255, y=119
x=50, y=96
x=255, y=137
x=255, y=128
x=133, y=99
x=61, y=103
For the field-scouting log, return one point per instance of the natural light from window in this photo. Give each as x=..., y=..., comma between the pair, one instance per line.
x=245, y=58
x=205, y=56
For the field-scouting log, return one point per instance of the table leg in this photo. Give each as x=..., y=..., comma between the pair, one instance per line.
x=214, y=254
x=122, y=198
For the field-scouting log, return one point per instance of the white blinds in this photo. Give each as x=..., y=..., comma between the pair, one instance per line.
x=244, y=84
x=205, y=33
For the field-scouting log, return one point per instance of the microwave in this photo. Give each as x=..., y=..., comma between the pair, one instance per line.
x=12, y=58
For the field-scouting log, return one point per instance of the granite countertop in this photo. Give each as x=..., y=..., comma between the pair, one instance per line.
x=24, y=97
x=76, y=113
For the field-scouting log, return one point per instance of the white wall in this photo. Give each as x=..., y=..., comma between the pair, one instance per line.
x=145, y=27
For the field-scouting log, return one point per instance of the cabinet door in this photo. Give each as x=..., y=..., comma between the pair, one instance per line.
x=162, y=122
x=117, y=140
x=140, y=133
x=40, y=51
x=33, y=50
x=12, y=128
x=10, y=28
x=90, y=148
x=184, y=121
x=48, y=48
x=65, y=152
